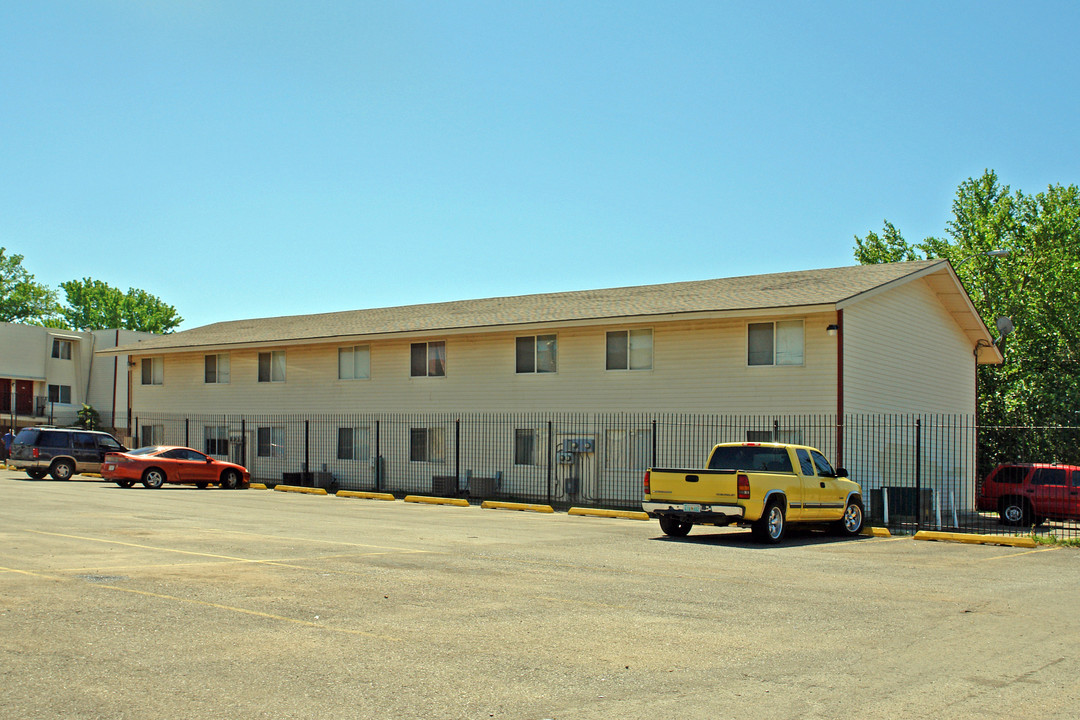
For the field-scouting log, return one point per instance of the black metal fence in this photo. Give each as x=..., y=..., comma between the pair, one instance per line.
x=916, y=471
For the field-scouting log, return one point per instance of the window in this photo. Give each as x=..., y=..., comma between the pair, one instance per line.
x=217, y=440
x=272, y=366
x=61, y=349
x=151, y=435
x=270, y=441
x=354, y=363
x=823, y=467
x=629, y=350
x=85, y=441
x=738, y=457
x=428, y=359
x=536, y=354
x=60, y=394
x=525, y=442
x=427, y=445
x=779, y=343
x=153, y=371
x=805, y=463
x=628, y=449
x=1050, y=476
x=792, y=437
x=354, y=443
x=217, y=369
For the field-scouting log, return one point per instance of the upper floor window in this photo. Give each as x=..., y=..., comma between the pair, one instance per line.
x=272, y=366
x=629, y=350
x=354, y=363
x=217, y=368
x=60, y=394
x=778, y=343
x=536, y=354
x=428, y=359
x=61, y=349
x=153, y=371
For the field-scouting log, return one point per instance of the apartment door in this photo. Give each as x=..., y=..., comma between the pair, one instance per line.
x=24, y=397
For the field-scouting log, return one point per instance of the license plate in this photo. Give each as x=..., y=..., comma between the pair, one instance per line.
x=692, y=508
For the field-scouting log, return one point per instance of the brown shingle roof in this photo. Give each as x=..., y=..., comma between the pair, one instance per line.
x=753, y=292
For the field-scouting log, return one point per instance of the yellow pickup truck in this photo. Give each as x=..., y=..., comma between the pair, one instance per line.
x=763, y=485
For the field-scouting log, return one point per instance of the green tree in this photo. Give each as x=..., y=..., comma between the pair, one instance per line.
x=1037, y=285
x=95, y=305
x=23, y=299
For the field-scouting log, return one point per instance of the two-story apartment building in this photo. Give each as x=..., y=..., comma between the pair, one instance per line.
x=876, y=339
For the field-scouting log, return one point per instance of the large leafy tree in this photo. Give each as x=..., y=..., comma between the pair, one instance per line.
x=94, y=305
x=1037, y=285
x=23, y=299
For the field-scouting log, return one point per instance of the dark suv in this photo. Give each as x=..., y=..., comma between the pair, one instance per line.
x=61, y=452
x=1029, y=494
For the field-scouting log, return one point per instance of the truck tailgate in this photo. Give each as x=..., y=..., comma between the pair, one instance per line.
x=693, y=486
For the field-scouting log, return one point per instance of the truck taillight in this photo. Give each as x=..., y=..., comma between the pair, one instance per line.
x=646, y=482
x=744, y=487
x=34, y=454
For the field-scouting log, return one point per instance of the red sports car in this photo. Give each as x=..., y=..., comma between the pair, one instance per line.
x=159, y=464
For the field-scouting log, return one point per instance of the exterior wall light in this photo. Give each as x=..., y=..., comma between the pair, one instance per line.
x=832, y=330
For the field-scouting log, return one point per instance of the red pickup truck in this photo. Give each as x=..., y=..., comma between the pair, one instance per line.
x=1031, y=493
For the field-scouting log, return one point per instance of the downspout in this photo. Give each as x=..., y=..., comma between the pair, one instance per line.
x=840, y=388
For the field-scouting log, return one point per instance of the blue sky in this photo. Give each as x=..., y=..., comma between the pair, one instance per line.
x=259, y=158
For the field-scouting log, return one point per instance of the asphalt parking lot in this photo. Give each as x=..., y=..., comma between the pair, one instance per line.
x=181, y=603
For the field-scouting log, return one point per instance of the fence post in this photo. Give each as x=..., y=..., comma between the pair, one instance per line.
x=307, y=443
x=918, y=474
x=652, y=461
x=187, y=434
x=457, y=452
x=243, y=442
x=550, y=458
x=378, y=460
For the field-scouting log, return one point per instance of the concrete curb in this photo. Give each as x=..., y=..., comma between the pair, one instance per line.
x=1011, y=540
x=457, y=502
x=305, y=490
x=876, y=532
x=365, y=495
x=257, y=486
x=496, y=505
x=593, y=512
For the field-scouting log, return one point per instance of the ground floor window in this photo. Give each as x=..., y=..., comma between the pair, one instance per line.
x=628, y=449
x=216, y=439
x=525, y=443
x=60, y=394
x=354, y=443
x=427, y=444
x=270, y=442
x=151, y=435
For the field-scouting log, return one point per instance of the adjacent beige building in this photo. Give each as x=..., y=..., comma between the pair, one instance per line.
x=46, y=374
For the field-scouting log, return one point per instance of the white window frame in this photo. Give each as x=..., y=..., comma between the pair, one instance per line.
x=359, y=446
x=434, y=361
x=156, y=373
x=636, y=348
x=354, y=363
x=61, y=349
x=221, y=369
x=434, y=445
x=57, y=397
x=784, y=333
x=276, y=366
x=537, y=361
x=530, y=457
x=275, y=445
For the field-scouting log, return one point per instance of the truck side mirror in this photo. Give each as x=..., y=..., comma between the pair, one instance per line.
x=841, y=472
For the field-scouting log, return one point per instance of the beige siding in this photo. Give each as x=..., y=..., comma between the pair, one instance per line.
x=903, y=353
x=697, y=367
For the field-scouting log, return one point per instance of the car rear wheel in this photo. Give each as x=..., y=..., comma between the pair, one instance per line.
x=852, y=522
x=62, y=470
x=1015, y=511
x=37, y=474
x=673, y=527
x=230, y=480
x=125, y=483
x=153, y=478
x=770, y=527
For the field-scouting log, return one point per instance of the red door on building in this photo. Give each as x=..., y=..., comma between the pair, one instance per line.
x=24, y=397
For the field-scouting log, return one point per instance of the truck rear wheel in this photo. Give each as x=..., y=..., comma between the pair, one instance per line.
x=770, y=527
x=673, y=527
